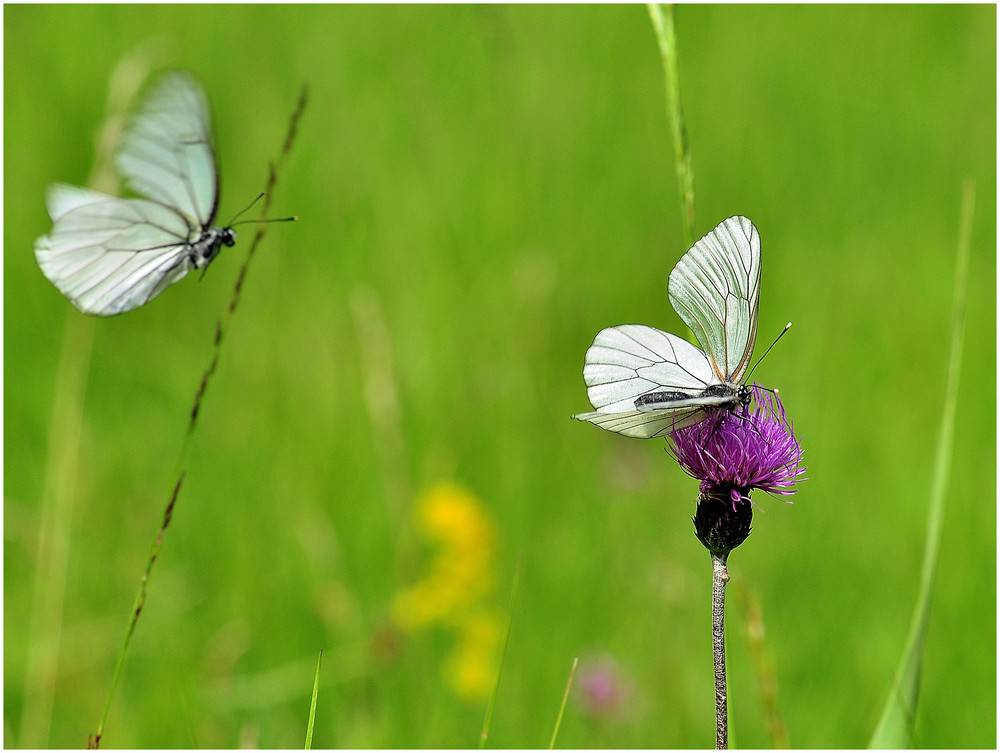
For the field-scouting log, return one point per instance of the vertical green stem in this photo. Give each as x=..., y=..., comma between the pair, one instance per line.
x=663, y=24
x=720, y=576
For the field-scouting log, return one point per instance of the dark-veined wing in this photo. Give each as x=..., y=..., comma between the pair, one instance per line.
x=715, y=289
x=109, y=255
x=166, y=153
x=632, y=360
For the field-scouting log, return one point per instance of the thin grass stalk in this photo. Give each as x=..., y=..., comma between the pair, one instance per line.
x=64, y=443
x=221, y=327
x=562, y=706
x=763, y=664
x=662, y=17
x=140, y=601
x=381, y=395
x=54, y=531
x=503, y=653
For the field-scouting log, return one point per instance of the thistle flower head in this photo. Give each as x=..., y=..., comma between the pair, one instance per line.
x=735, y=453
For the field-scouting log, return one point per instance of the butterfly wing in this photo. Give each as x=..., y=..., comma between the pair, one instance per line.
x=166, y=153
x=109, y=255
x=715, y=289
x=632, y=360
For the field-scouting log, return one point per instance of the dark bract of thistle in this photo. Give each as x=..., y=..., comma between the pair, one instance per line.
x=736, y=453
x=720, y=524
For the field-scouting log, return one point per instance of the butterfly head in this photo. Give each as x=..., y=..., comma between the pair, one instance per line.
x=208, y=246
x=743, y=394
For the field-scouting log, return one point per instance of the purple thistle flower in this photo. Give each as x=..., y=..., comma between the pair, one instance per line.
x=742, y=452
x=732, y=455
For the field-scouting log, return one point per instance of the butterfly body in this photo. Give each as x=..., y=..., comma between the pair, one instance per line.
x=646, y=383
x=720, y=396
x=656, y=399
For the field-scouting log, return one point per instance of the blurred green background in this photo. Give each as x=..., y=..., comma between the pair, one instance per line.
x=482, y=189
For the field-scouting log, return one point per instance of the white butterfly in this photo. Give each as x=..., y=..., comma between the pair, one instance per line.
x=646, y=383
x=109, y=255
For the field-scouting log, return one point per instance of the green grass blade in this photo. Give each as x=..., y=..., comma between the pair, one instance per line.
x=312, y=704
x=895, y=728
x=662, y=17
x=562, y=706
x=503, y=652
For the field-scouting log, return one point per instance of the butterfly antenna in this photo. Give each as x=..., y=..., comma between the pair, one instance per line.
x=782, y=334
x=234, y=223
x=246, y=209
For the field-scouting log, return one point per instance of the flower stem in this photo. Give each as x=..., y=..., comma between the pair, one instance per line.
x=720, y=576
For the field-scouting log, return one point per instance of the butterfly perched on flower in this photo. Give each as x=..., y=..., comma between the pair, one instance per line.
x=647, y=383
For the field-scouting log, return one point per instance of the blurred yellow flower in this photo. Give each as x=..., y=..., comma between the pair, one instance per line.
x=457, y=588
x=471, y=666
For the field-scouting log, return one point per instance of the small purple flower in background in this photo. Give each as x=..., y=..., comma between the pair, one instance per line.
x=732, y=455
x=602, y=689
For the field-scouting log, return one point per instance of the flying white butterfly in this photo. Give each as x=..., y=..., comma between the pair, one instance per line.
x=646, y=383
x=109, y=255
